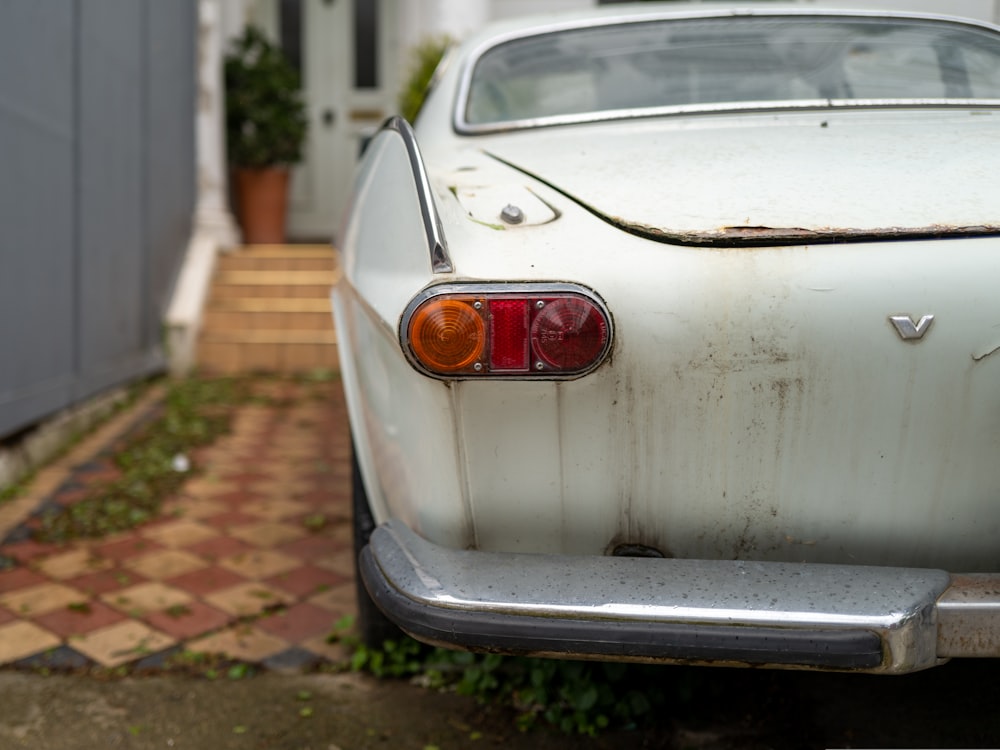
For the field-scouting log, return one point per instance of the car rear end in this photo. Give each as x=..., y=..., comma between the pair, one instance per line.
x=782, y=450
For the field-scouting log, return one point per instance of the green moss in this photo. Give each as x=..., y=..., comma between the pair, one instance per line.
x=497, y=227
x=195, y=412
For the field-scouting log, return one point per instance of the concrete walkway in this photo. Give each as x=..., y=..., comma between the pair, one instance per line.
x=250, y=560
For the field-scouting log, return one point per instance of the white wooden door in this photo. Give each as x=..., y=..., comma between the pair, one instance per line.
x=344, y=107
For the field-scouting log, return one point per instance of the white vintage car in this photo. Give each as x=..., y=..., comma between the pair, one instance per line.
x=672, y=334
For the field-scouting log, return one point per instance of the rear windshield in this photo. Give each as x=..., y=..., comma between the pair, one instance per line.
x=726, y=60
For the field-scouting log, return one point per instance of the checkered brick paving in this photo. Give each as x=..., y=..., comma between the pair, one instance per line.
x=251, y=560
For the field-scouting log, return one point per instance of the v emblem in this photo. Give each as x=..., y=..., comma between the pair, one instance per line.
x=907, y=329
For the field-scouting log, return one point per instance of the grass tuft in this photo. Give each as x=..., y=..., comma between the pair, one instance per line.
x=576, y=697
x=153, y=464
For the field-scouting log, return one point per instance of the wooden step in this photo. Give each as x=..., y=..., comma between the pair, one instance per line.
x=270, y=336
x=233, y=352
x=281, y=320
x=279, y=257
x=272, y=291
x=256, y=263
x=269, y=311
x=272, y=304
x=233, y=358
x=282, y=251
x=277, y=278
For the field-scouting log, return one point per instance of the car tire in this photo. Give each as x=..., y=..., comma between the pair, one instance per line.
x=374, y=628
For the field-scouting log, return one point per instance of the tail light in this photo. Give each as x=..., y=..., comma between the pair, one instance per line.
x=506, y=330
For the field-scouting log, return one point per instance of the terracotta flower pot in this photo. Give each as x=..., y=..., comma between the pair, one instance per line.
x=262, y=198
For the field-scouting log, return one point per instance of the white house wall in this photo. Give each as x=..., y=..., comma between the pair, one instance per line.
x=422, y=19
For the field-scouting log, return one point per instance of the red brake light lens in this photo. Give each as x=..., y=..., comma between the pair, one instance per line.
x=507, y=330
x=568, y=333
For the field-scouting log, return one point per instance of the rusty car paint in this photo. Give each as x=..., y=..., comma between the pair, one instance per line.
x=746, y=236
x=969, y=617
x=732, y=180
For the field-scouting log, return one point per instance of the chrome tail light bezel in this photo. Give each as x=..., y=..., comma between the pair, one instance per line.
x=529, y=290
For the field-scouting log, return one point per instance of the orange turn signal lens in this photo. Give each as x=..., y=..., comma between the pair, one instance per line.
x=448, y=335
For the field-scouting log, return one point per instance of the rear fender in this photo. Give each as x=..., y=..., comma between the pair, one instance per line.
x=401, y=422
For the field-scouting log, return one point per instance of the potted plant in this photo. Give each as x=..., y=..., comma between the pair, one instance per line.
x=265, y=128
x=424, y=61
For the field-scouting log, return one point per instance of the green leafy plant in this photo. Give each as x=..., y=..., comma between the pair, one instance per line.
x=424, y=61
x=574, y=696
x=403, y=658
x=266, y=121
x=17, y=488
x=194, y=413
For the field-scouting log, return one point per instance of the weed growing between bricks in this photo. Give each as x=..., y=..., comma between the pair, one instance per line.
x=158, y=460
x=17, y=488
x=152, y=464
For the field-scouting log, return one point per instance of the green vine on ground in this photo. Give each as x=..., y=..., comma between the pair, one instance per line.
x=576, y=697
x=153, y=464
x=130, y=395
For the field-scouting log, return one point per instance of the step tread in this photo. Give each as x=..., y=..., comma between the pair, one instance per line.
x=229, y=320
x=277, y=277
x=242, y=263
x=282, y=251
x=270, y=336
x=231, y=359
x=283, y=287
x=270, y=304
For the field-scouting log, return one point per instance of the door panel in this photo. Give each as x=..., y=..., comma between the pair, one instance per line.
x=341, y=114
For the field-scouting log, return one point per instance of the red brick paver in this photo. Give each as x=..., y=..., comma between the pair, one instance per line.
x=247, y=560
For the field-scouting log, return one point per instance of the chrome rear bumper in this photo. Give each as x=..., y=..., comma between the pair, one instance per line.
x=870, y=619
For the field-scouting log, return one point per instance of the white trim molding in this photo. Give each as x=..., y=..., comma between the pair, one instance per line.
x=214, y=227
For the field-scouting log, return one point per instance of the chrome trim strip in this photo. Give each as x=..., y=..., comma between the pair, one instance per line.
x=463, y=127
x=440, y=259
x=686, y=110
x=530, y=288
x=483, y=596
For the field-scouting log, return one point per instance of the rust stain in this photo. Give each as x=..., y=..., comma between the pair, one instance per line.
x=751, y=236
x=975, y=586
x=984, y=355
x=967, y=616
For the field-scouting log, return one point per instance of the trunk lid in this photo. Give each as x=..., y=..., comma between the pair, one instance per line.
x=767, y=179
